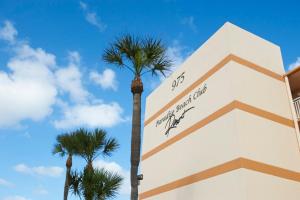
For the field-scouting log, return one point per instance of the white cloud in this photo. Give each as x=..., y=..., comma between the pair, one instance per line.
x=92, y=17
x=8, y=32
x=24, y=52
x=17, y=197
x=52, y=171
x=189, y=21
x=295, y=64
x=27, y=90
x=95, y=114
x=5, y=183
x=86, y=112
x=116, y=168
x=106, y=80
x=40, y=191
x=69, y=79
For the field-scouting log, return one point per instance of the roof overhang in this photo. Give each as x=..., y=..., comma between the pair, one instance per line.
x=294, y=80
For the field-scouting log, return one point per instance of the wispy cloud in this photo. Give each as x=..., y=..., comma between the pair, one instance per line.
x=177, y=53
x=52, y=171
x=92, y=17
x=5, y=183
x=294, y=64
x=26, y=135
x=8, y=32
x=189, y=22
x=40, y=191
x=16, y=197
x=83, y=5
x=106, y=79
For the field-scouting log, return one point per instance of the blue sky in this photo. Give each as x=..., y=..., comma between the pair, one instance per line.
x=52, y=78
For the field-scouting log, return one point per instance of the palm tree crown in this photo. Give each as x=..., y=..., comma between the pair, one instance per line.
x=91, y=144
x=66, y=145
x=137, y=55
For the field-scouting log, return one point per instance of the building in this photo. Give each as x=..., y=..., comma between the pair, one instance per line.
x=294, y=83
x=224, y=125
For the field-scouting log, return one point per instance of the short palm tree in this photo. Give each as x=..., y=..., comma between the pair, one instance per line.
x=92, y=144
x=66, y=145
x=139, y=56
x=98, y=184
x=94, y=184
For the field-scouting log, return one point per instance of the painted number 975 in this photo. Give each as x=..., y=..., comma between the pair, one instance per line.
x=178, y=81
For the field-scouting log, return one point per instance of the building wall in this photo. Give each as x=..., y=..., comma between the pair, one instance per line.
x=237, y=135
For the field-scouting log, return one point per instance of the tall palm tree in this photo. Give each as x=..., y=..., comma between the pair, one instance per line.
x=66, y=145
x=98, y=184
x=139, y=56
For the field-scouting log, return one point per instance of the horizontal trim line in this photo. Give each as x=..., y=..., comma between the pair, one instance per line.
x=226, y=109
x=257, y=68
x=222, y=169
x=208, y=74
x=265, y=114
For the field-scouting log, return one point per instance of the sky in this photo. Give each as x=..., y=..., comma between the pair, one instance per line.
x=53, y=80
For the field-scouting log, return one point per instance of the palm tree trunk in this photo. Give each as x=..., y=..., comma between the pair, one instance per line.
x=136, y=89
x=89, y=166
x=68, y=174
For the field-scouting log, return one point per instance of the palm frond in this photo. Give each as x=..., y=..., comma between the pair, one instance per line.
x=110, y=146
x=106, y=183
x=128, y=45
x=161, y=65
x=153, y=50
x=75, y=181
x=113, y=56
x=85, y=149
x=58, y=149
x=98, y=184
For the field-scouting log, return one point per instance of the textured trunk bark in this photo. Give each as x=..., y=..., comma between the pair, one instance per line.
x=89, y=189
x=67, y=181
x=136, y=89
x=89, y=166
x=135, y=144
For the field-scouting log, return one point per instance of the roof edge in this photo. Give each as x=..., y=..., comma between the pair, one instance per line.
x=292, y=71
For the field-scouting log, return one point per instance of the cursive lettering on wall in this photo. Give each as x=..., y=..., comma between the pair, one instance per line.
x=172, y=121
x=194, y=96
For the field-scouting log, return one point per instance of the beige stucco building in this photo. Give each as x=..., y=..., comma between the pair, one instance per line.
x=224, y=125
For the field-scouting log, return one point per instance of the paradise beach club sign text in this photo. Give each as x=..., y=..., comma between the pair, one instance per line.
x=171, y=120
